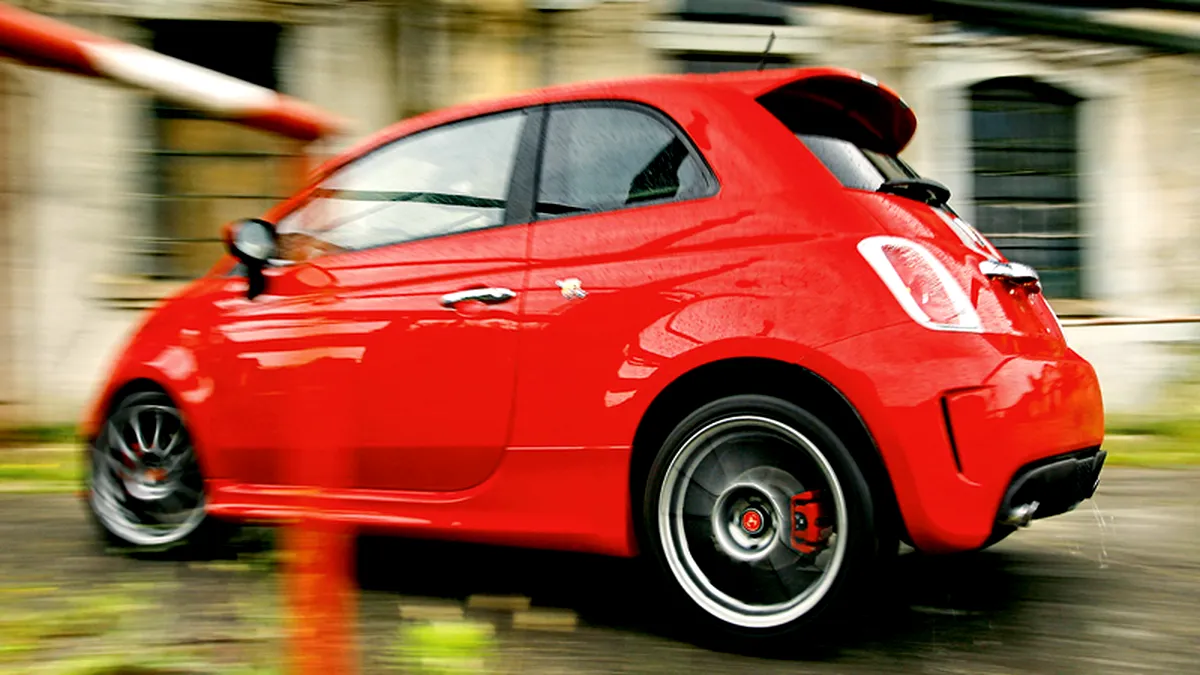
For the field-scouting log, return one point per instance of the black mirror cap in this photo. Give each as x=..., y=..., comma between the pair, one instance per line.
x=254, y=242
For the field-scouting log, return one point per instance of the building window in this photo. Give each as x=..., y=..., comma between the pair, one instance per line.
x=204, y=172
x=698, y=62
x=722, y=16
x=1025, y=156
x=767, y=12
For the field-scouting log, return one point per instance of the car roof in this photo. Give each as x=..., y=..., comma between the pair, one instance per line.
x=892, y=116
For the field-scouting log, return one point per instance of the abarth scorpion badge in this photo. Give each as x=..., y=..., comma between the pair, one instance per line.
x=572, y=289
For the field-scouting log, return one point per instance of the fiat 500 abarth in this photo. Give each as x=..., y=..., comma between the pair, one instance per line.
x=712, y=320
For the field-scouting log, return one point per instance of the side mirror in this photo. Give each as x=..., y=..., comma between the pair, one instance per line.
x=254, y=243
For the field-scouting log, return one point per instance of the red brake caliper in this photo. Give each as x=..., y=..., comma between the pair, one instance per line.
x=811, y=526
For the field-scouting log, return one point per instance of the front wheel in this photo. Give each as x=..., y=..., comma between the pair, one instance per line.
x=144, y=484
x=760, y=518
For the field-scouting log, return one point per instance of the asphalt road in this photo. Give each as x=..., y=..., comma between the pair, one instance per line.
x=1113, y=587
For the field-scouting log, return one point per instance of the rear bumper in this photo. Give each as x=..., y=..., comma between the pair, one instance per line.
x=1050, y=487
x=960, y=419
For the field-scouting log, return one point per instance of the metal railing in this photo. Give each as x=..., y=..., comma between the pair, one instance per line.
x=1129, y=321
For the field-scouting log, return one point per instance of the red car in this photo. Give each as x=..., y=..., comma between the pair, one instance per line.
x=714, y=320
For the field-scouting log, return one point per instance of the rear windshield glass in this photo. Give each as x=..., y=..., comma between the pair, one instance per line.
x=854, y=166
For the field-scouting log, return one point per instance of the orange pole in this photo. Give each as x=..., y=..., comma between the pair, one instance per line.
x=319, y=579
x=321, y=595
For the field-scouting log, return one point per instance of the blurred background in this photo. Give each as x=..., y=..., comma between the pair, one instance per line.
x=1068, y=131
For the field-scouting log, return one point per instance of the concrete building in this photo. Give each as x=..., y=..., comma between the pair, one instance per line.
x=1079, y=156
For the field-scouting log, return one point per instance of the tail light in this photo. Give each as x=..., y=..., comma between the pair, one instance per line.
x=921, y=284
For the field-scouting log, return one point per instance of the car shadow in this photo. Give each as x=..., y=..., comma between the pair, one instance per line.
x=957, y=601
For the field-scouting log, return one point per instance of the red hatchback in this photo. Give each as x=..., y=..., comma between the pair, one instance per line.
x=711, y=319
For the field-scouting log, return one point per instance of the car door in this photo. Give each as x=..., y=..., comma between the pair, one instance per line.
x=619, y=186
x=406, y=319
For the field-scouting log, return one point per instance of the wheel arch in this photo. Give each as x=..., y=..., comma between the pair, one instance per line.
x=137, y=385
x=119, y=390
x=767, y=376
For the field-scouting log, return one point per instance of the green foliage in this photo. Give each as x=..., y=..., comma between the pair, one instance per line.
x=444, y=647
x=38, y=435
x=1153, y=441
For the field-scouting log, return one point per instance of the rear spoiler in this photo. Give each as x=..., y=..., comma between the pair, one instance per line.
x=834, y=102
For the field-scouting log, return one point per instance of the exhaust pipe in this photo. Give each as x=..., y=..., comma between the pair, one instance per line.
x=1020, y=516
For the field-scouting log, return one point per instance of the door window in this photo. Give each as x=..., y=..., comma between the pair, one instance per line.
x=434, y=183
x=601, y=158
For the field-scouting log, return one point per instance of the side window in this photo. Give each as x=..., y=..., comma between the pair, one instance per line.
x=604, y=158
x=437, y=182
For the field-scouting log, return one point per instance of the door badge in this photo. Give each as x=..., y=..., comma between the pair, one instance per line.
x=572, y=289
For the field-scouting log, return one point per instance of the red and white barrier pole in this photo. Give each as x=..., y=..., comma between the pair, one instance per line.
x=40, y=41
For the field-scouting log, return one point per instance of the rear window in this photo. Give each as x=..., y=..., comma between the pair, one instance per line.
x=854, y=166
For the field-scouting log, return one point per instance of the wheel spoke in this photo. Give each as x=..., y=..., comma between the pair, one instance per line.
x=775, y=585
x=106, y=488
x=711, y=477
x=116, y=466
x=183, y=489
x=733, y=463
x=791, y=569
x=173, y=442
x=135, y=424
x=177, y=461
x=157, y=428
x=699, y=502
x=119, y=441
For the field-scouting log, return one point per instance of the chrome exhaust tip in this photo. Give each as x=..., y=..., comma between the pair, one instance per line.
x=1020, y=516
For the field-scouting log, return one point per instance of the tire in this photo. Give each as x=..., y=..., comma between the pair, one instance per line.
x=144, y=487
x=748, y=588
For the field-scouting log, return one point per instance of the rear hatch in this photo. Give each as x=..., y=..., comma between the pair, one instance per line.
x=857, y=129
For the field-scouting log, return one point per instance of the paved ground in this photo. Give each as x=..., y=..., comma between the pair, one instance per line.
x=1111, y=588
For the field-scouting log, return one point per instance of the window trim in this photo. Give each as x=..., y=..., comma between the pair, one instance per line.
x=711, y=187
x=529, y=135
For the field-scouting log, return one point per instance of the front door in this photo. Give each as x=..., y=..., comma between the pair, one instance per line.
x=401, y=308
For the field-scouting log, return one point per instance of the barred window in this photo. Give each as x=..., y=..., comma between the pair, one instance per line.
x=1026, y=176
x=204, y=172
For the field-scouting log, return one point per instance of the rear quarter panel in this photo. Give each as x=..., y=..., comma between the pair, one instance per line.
x=767, y=267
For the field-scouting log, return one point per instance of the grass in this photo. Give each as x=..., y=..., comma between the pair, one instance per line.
x=16, y=437
x=41, y=469
x=1153, y=441
x=90, y=632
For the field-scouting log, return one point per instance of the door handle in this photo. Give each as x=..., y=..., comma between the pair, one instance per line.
x=1012, y=272
x=488, y=296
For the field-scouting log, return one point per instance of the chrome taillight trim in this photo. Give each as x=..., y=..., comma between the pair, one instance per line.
x=1014, y=272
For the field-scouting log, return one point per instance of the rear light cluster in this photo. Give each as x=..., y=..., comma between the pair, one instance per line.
x=921, y=284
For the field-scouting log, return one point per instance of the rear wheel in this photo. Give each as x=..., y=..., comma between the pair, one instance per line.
x=760, y=518
x=145, y=488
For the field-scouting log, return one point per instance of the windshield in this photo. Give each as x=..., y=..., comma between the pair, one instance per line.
x=854, y=166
